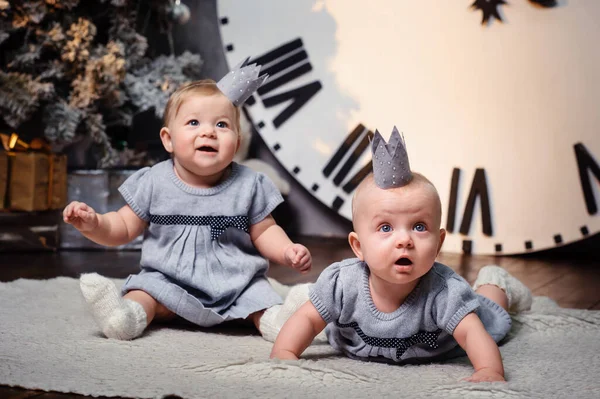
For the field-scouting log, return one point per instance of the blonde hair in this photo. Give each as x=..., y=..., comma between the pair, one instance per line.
x=205, y=87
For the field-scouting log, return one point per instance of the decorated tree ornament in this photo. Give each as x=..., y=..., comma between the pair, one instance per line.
x=179, y=12
x=489, y=9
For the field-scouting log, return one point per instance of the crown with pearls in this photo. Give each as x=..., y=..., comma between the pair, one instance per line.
x=241, y=82
x=390, y=161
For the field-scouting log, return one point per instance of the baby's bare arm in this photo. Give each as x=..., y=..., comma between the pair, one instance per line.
x=110, y=229
x=298, y=332
x=270, y=239
x=274, y=244
x=481, y=349
x=117, y=228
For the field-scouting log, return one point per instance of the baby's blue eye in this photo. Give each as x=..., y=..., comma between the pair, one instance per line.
x=222, y=124
x=420, y=227
x=193, y=122
x=386, y=228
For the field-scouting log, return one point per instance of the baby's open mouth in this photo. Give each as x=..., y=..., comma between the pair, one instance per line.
x=404, y=262
x=207, y=149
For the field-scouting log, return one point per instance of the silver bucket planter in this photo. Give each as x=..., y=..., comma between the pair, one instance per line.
x=99, y=189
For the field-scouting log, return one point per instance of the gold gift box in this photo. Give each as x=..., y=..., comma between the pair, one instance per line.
x=3, y=177
x=35, y=180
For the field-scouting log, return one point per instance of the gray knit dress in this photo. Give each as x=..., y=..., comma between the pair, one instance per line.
x=197, y=256
x=420, y=330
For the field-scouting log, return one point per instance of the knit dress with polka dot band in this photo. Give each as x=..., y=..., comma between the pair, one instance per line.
x=197, y=256
x=420, y=330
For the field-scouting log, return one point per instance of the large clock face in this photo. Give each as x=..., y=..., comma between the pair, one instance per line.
x=502, y=118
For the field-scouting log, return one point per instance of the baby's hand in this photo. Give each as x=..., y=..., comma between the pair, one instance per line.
x=81, y=216
x=298, y=257
x=485, y=375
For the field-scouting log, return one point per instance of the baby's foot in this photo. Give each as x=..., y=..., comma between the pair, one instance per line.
x=275, y=317
x=519, y=296
x=118, y=318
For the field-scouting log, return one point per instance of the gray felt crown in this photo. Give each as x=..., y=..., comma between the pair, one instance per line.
x=241, y=82
x=390, y=161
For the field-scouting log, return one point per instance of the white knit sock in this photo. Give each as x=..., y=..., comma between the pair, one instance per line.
x=279, y=288
x=118, y=318
x=275, y=317
x=519, y=296
x=268, y=326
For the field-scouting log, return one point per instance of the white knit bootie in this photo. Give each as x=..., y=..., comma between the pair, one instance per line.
x=118, y=318
x=275, y=317
x=519, y=296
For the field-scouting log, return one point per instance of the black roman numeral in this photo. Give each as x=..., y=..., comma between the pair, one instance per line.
x=585, y=163
x=284, y=64
x=352, y=149
x=478, y=189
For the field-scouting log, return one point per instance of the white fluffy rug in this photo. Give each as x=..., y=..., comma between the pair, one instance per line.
x=49, y=342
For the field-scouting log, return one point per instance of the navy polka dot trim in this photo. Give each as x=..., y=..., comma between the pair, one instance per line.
x=401, y=344
x=218, y=224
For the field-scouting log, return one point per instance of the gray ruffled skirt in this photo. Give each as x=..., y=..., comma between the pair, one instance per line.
x=199, y=308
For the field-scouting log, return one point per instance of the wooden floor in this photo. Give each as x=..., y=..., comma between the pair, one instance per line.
x=572, y=282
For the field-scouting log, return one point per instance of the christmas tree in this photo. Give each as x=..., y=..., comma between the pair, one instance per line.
x=79, y=71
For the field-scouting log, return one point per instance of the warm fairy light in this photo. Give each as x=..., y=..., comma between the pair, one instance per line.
x=12, y=142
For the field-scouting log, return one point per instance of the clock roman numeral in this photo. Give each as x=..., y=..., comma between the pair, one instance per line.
x=586, y=163
x=478, y=189
x=284, y=64
x=352, y=149
x=300, y=96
